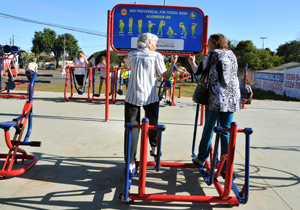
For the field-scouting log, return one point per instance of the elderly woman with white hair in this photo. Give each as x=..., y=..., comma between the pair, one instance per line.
x=146, y=65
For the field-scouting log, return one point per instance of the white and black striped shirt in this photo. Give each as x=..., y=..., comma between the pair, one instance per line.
x=145, y=65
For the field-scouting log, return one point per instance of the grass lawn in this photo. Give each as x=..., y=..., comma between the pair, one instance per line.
x=187, y=90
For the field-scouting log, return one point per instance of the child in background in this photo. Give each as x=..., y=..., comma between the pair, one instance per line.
x=31, y=67
x=13, y=71
x=168, y=84
x=124, y=75
x=102, y=72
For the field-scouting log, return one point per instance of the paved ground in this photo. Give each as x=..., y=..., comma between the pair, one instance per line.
x=81, y=158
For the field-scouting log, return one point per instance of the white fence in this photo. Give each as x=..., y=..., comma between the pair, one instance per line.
x=287, y=83
x=291, y=85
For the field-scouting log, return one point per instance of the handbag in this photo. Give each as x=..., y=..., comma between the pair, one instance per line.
x=201, y=94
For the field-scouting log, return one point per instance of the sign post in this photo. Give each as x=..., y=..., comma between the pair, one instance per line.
x=181, y=31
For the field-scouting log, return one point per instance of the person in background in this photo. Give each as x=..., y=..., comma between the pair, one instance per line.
x=224, y=94
x=146, y=65
x=102, y=72
x=169, y=83
x=79, y=73
x=248, y=90
x=9, y=73
x=31, y=68
x=63, y=71
x=124, y=75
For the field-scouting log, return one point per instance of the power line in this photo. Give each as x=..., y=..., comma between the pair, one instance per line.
x=54, y=25
x=48, y=9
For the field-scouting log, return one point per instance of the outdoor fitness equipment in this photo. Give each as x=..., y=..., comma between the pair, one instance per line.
x=113, y=85
x=19, y=124
x=213, y=168
x=86, y=80
x=210, y=173
x=88, y=76
x=8, y=54
x=90, y=80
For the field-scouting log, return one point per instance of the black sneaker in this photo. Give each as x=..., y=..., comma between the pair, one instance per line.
x=120, y=92
x=198, y=163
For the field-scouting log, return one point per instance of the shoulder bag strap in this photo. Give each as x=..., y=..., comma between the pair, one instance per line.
x=205, y=74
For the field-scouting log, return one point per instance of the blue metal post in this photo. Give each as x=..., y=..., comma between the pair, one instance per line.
x=126, y=197
x=160, y=128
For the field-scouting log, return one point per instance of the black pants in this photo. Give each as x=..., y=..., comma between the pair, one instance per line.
x=132, y=115
x=29, y=72
x=79, y=79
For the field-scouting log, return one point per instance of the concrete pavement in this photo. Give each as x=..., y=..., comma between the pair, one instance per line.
x=81, y=158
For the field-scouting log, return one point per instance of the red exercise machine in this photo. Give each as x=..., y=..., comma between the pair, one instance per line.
x=213, y=169
x=19, y=124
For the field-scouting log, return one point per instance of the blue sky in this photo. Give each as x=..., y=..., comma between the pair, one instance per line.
x=237, y=20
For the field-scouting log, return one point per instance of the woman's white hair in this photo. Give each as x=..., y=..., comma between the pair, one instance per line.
x=144, y=39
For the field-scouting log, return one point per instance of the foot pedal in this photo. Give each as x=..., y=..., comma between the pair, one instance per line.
x=31, y=143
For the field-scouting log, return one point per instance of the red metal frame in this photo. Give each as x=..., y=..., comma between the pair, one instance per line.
x=113, y=88
x=224, y=193
x=90, y=97
x=108, y=44
x=245, y=83
x=13, y=146
x=71, y=85
x=158, y=6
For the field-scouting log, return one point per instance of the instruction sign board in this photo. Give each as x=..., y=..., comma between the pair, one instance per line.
x=180, y=29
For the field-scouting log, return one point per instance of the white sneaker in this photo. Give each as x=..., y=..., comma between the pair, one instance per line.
x=131, y=167
x=132, y=170
x=153, y=151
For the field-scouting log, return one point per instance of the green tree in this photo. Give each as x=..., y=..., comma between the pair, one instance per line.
x=288, y=51
x=232, y=44
x=48, y=42
x=257, y=59
x=244, y=47
x=37, y=42
x=114, y=58
x=71, y=46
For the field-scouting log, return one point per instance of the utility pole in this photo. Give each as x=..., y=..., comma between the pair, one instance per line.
x=263, y=38
x=165, y=2
x=64, y=51
x=13, y=38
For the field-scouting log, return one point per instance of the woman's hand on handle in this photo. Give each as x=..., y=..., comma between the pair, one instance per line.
x=191, y=60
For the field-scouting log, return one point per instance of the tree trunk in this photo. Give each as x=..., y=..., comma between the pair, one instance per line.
x=56, y=62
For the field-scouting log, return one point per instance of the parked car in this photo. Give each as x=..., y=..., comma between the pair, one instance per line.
x=50, y=66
